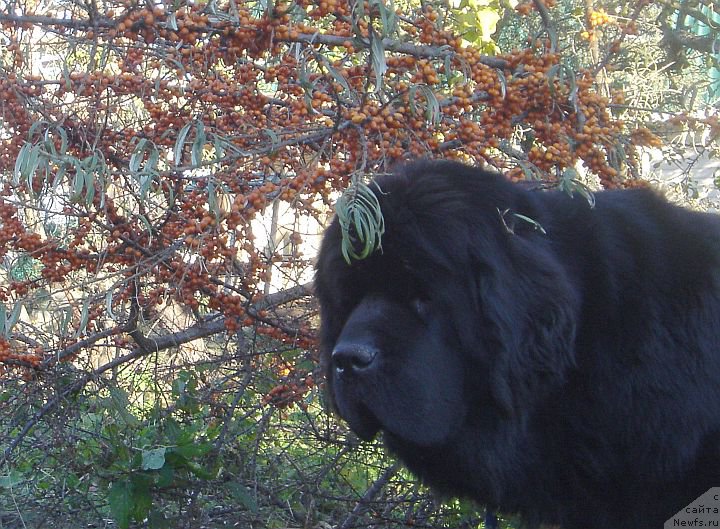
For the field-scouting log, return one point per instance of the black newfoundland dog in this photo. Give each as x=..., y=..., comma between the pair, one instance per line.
x=532, y=352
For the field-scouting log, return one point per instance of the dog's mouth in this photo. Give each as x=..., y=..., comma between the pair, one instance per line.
x=366, y=426
x=359, y=417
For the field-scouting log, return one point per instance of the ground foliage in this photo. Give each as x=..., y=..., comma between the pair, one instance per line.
x=157, y=351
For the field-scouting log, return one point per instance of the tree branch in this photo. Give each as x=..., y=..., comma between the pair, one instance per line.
x=61, y=22
x=369, y=495
x=429, y=52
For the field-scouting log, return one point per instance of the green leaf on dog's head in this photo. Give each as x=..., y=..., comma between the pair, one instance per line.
x=361, y=222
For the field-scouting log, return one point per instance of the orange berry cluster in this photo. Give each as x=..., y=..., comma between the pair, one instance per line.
x=287, y=394
x=240, y=109
x=21, y=360
x=524, y=8
x=642, y=136
x=598, y=17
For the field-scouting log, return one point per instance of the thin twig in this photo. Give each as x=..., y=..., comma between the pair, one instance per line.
x=362, y=505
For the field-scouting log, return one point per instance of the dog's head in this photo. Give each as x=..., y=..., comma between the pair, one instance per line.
x=462, y=311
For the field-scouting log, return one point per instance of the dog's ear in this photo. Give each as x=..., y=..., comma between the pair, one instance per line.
x=526, y=296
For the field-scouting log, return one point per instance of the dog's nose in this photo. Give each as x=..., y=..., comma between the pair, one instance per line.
x=353, y=357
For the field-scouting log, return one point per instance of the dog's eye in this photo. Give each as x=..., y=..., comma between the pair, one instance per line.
x=421, y=307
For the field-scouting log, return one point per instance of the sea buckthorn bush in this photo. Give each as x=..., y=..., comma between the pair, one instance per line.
x=166, y=168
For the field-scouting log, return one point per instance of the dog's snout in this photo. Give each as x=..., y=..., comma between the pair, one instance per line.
x=352, y=357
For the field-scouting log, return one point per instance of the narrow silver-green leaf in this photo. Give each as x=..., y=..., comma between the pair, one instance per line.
x=219, y=148
x=33, y=161
x=535, y=224
x=78, y=182
x=3, y=319
x=66, y=77
x=339, y=78
x=432, y=106
x=89, y=188
x=172, y=21
x=63, y=140
x=137, y=155
x=146, y=179
x=151, y=164
x=21, y=162
x=213, y=199
x=274, y=139
x=65, y=321
x=171, y=197
x=35, y=127
x=432, y=112
x=59, y=175
x=388, y=17
x=84, y=317
x=377, y=58
x=198, y=146
x=503, y=83
x=14, y=317
x=148, y=227
x=180, y=142
x=411, y=99
x=108, y=305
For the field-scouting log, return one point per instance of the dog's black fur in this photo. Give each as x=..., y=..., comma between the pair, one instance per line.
x=529, y=351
